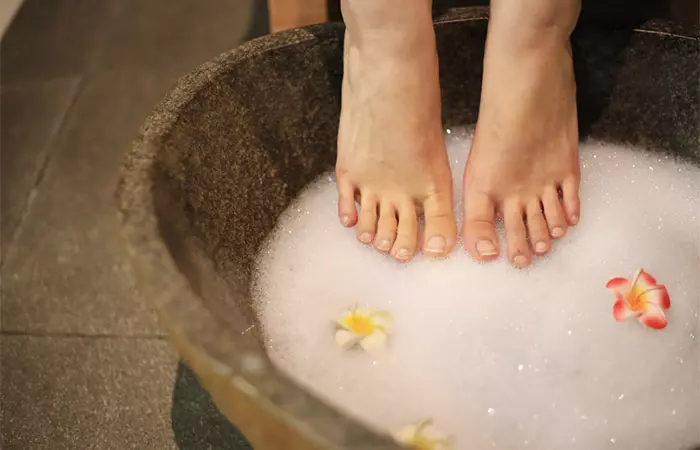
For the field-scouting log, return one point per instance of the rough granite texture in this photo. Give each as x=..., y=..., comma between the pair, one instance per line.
x=50, y=401
x=236, y=140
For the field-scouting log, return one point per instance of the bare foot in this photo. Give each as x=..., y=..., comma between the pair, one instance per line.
x=524, y=165
x=391, y=151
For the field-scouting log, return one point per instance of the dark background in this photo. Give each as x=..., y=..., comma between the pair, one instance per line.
x=612, y=11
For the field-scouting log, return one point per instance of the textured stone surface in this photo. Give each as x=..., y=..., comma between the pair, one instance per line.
x=660, y=109
x=67, y=272
x=31, y=117
x=77, y=393
x=236, y=140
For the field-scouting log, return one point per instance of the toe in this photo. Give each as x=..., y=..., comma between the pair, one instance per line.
x=347, y=213
x=367, y=222
x=554, y=213
x=406, y=234
x=386, y=228
x=479, y=233
x=440, y=228
x=516, y=234
x=572, y=204
x=537, y=227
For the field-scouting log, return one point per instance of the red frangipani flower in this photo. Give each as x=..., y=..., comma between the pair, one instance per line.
x=642, y=298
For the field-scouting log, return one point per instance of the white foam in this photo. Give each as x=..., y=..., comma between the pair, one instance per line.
x=499, y=357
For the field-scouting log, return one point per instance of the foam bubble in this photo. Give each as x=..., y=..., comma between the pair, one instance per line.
x=500, y=357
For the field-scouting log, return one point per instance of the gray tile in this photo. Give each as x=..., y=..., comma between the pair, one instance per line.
x=175, y=36
x=67, y=270
x=56, y=38
x=78, y=393
x=31, y=116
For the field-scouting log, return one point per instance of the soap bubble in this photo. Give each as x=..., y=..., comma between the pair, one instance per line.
x=460, y=328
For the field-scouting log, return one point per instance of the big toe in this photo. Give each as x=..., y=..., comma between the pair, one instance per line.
x=440, y=229
x=479, y=232
x=572, y=203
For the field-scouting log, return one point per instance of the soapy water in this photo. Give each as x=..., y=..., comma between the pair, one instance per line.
x=499, y=357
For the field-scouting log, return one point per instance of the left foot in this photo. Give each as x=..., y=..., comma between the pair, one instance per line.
x=523, y=165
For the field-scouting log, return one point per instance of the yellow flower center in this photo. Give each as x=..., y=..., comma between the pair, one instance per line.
x=634, y=298
x=359, y=324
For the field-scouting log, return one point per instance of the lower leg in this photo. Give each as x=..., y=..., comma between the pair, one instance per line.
x=524, y=162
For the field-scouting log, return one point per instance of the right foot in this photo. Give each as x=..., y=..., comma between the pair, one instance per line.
x=391, y=150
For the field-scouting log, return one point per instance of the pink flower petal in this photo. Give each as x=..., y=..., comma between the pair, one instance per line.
x=621, y=311
x=654, y=318
x=619, y=284
x=665, y=299
x=640, y=297
x=644, y=280
x=657, y=295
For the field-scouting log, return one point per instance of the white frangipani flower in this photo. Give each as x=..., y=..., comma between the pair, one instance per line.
x=363, y=327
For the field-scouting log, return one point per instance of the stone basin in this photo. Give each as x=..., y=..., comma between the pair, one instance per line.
x=238, y=138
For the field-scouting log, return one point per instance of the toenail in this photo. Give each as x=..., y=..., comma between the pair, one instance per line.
x=574, y=219
x=486, y=248
x=403, y=253
x=520, y=260
x=557, y=232
x=384, y=244
x=436, y=244
x=345, y=220
x=540, y=246
x=366, y=238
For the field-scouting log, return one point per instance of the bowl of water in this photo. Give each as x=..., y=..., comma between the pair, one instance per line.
x=228, y=212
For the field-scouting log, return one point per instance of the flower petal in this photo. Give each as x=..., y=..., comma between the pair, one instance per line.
x=359, y=311
x=618, y=284
x=621, y=311
x=432, y=432
x=654, y=317
x=664, y=298
x=382, y=319
x=342, y=323
x=368, y=312
x=657, y=295
x=346, y=339
x=644, y=280
x=344, y=319
x=374, y=341
x=405, y=435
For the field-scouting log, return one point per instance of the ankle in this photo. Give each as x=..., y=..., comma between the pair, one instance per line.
x=524, y=40
x=394, y=26
x=534, y=22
